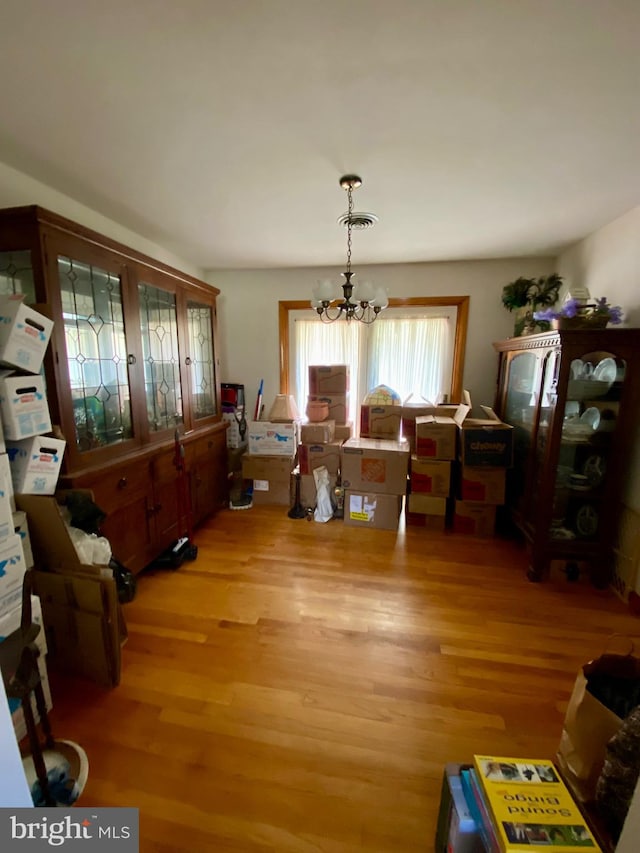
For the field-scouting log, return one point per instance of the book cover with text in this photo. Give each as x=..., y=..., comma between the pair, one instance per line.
x=531, y=807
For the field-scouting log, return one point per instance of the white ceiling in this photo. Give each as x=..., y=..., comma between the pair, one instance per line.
x=220, y=128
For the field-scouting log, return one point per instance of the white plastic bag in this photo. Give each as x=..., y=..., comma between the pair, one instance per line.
x=324, y=507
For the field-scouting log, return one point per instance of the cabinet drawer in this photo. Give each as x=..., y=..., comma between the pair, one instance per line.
x=115, y=486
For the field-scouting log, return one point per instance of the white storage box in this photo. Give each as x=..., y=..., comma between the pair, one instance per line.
x=23, y=406
x=35, y=464
x=273, y=439
x=6, y=512
x=24, y=335
x=12, y=569
x=10, y=622
x=5, y=469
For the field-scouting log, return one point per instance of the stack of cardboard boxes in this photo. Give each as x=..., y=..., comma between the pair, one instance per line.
x=374, y=474
x=269, y=462
x=434, y=439
x=485, y=454
x=321, y=442
x=24, y=415
x=458, y=467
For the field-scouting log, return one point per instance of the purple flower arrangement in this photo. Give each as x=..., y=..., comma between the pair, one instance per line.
x=575, y=308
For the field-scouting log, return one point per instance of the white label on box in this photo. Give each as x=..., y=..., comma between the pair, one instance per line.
x=361, y=508
x=260, y=485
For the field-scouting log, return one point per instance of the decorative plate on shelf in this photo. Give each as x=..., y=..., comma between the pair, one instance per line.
x=587, y=520
x=606, y=370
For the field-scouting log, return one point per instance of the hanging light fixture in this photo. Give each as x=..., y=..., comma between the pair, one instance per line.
x=368, y=301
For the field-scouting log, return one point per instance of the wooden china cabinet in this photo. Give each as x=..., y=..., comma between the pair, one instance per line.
x=132, y=377
x=573, y=399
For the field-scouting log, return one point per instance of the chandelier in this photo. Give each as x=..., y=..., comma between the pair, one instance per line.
x=368, y=301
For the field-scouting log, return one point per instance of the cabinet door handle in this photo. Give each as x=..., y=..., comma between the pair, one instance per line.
x=187, y=361
x=131, y=359
x=123, y=483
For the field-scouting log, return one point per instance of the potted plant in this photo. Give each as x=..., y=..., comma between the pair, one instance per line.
x=525, y=295
x=576, y=314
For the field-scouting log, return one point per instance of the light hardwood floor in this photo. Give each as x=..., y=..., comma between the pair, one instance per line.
x=300, y=686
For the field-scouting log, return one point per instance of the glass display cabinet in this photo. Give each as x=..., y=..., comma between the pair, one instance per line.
x=131, y=368
x=573, y=399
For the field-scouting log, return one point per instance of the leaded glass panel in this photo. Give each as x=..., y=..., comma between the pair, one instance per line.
x=96, y=353
x=16, y=275
x=202, y=367
x=159, y=326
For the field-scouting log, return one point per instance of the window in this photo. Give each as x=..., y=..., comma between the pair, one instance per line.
x=415, y=347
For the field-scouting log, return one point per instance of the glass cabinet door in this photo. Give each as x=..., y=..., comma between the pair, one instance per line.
x=589, y=422
x=159, y=331
x=16, y=275
x=97, y=363
x=520, y=404
x=201, y=359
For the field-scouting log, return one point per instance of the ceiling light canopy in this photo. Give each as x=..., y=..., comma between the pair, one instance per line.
x=364, y=302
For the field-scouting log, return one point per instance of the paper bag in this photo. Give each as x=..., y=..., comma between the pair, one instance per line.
x=604, y=692
x=588, y=727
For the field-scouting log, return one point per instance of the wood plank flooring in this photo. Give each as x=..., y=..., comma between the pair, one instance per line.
x=299, y=687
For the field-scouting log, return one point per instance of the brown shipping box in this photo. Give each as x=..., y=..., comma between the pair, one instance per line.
x=271, y=477
x=431, y=477
x=311, y=456
x=427, y=505
x=485, y=441
x=414, y=409
x=329, y=379
x=474, y=519
x=482, y=484
x=83, y=618
x=375, y=465
x=318, y=433
x=343, y=432
x=436, y=523
x=368, y=509
x=380, y=421
x=338, y=405
x=436, y=437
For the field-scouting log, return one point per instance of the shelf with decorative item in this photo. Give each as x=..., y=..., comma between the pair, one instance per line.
x=577, y=314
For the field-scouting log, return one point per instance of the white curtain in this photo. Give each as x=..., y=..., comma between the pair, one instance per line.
x=328, y=343
x=412, y=356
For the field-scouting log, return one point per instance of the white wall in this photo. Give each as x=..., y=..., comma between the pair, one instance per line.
x=18, y=189
x=608, y=263
x=248, y=313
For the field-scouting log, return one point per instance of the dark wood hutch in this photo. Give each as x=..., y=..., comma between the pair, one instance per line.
x=573, y=399
x=132, y=365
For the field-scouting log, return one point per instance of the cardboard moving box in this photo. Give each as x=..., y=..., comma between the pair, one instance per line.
x=329, y=379
x=484, y=441
x=482, y=484
x=474, y=519
x=431, y=477
x=82, y=615
x=375, y=465
x=311, y=456
x=23, y=406
x=380, y=421
x=273, y=439
x=271, y=477
x=24, y=335
x=318, y=433
x=436, y=437
x=368, y=509
x=35, y=464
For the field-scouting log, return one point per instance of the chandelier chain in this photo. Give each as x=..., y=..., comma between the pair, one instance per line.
x=349, y=220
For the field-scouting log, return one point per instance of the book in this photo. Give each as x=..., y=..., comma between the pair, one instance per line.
x=456, y=829
x=531, y=807
x=479, y=813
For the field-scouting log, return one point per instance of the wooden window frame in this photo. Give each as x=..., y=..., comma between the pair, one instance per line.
x=461, y=303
